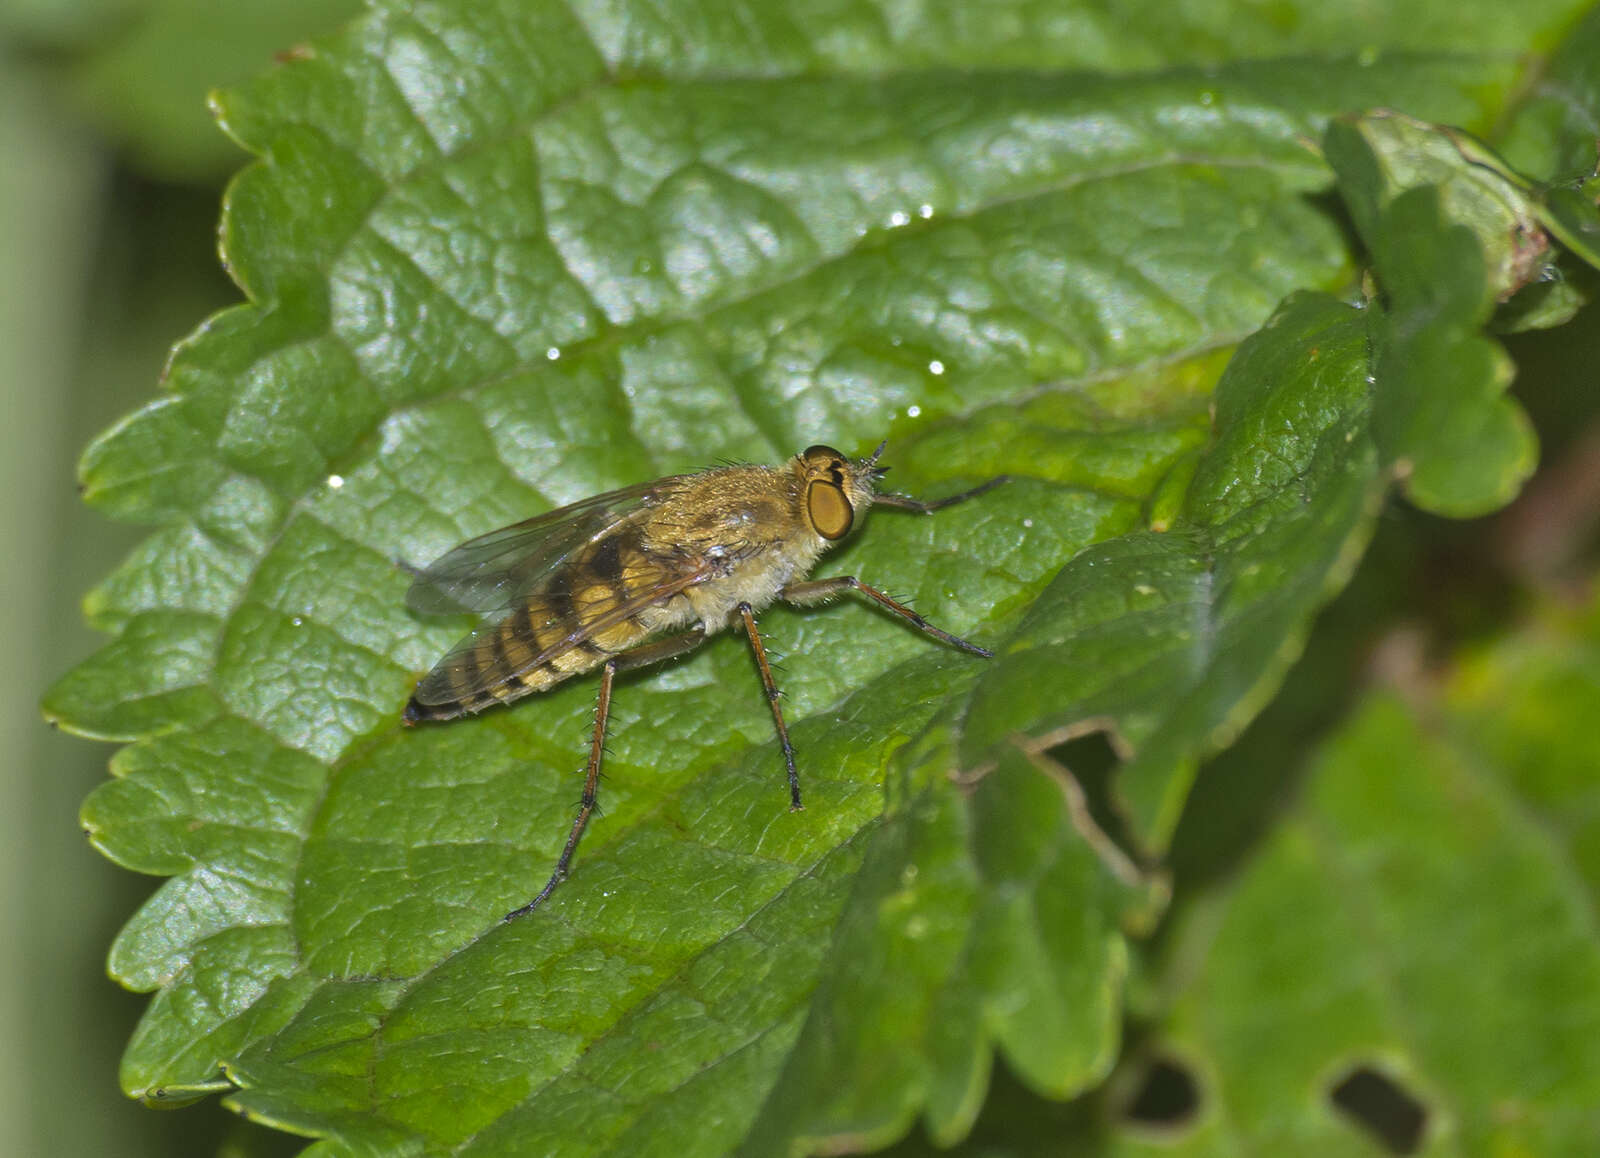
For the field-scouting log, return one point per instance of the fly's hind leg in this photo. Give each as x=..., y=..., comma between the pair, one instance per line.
x=818, y=590
x=638, y=657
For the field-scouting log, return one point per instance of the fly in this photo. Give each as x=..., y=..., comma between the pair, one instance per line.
x=640, y=575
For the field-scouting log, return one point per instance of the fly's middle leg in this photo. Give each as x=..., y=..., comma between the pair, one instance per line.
x=749, y=617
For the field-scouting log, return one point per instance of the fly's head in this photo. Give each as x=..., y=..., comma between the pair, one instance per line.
x=835, y=489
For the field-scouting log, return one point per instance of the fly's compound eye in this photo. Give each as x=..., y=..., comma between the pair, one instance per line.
x=829, y=510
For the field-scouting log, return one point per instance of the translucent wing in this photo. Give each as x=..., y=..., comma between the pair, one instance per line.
x=547, y=635
x=490, y=573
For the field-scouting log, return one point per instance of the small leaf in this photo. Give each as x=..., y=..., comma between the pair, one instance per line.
x=1381, y=155
x=1515, y=220
x=1460, y=447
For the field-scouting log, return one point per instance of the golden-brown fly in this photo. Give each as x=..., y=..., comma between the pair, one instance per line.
x=595, y=583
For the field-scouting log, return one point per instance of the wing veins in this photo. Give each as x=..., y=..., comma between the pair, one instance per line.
x=476, y=576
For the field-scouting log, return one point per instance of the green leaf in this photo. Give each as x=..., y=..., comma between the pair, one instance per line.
x=503, y=257
x=1172, y=641
x=1425, y=913
x=1442, y=419
x=1175, y=638
x=1460, y=447
x=1515, y=220
x=986, y=918
x=1381, y=155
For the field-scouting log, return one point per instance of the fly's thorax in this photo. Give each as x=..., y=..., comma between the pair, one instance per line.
x=745, y=525
x=757, y=581
x=757, y=528
x=732, y=513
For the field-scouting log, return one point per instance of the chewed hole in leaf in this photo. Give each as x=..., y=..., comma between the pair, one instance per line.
x=1379, y=1105
x=1168, y=1097
x=1093, y=760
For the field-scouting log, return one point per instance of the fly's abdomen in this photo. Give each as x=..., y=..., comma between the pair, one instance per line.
x=587, y=611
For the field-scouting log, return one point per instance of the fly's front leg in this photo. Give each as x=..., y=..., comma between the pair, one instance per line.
x=818, y=590
x=638, y=657
x=923, y=507
x=749, y=617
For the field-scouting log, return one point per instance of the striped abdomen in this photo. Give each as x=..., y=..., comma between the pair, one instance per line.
x=605, y=599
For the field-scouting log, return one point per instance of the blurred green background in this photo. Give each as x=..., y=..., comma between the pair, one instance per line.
x=110, y=188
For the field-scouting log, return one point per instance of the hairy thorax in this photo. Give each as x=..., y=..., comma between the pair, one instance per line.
x=750, y=533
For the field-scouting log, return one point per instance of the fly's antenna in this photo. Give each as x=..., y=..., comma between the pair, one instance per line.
x=869, y=465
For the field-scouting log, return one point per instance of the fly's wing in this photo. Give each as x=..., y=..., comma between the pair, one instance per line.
x=492, y=572
x=494, y=654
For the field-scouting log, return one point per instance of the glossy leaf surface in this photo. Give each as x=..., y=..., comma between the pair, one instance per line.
x=503, y=257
